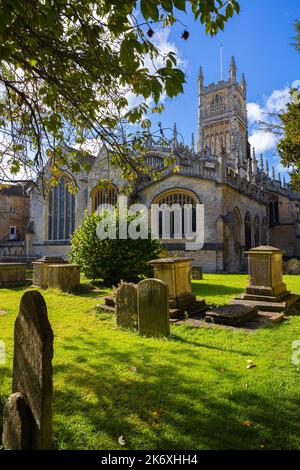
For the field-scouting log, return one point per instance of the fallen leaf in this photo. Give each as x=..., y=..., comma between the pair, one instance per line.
x=134, y=369
x=121, y=441
x=248, y=423
x=250, y=366
x=156, y=414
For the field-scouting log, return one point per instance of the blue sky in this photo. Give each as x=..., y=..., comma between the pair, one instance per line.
x=260, y=39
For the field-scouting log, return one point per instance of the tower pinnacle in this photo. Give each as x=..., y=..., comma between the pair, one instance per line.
x=233, y=69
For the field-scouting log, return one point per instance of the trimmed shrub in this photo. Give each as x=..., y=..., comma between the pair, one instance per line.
x=111, y=259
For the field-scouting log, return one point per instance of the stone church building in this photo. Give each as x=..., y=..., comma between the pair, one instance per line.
x=245, y=204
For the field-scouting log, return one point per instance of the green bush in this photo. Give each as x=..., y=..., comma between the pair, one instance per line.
x=111, y=259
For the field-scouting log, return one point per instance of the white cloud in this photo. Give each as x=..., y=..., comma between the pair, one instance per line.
x=262, y=141
x=278, y=100
x=255, y=112
x=265, y=111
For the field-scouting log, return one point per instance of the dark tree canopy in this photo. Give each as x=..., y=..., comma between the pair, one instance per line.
x=67, y=66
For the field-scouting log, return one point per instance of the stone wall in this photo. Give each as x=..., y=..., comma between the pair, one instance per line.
x=14, y=211
x=12, y=249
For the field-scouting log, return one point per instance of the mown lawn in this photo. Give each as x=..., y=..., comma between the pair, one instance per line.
x=191, y=391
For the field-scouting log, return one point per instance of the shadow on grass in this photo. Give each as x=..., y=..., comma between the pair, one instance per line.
x=203, y=289
x=180, y=339
x=189, y=414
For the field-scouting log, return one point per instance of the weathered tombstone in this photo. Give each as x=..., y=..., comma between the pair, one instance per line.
x=266, y=289
x=32, y=367
x=126, y=306
x=16, y=423
x=64, y=276
x=12, y=273
x=175, y=272
x=153, y=308
x=196, y=273
x=265, y=271
x=40, y=269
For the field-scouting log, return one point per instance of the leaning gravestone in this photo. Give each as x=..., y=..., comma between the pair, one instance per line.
x=126, y=306
x=153, y=308
x=32, y=371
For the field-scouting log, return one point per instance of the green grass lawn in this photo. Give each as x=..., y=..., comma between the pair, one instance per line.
x=190, y=391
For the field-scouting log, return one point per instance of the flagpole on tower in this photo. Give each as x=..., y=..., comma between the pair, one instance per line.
x=221, y=60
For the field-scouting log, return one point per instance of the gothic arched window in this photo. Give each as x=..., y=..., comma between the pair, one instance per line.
x=101, y=196
x=256, y=231
x=237, y=225
x=180, y=198
x=61, y=214
x=154, y=160
x=217, y=104
x=273, y=210
x=248, y=238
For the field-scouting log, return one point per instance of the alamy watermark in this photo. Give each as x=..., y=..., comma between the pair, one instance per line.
x=167, y=222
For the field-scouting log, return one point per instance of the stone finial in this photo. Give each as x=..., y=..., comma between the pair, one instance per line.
x=175, y=131
x=267, y=168
x=249, y=168
x=261, y=162
x=254, y=162
x=284, y=182
x=243, y=81
x=273, y=173
x=279, y=177
x=233, y=69
x=193, y=142
x=200, y=74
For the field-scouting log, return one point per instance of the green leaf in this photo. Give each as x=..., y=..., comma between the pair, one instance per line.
x=180, y=4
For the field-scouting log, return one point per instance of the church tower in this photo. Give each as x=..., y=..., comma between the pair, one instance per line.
x=222, y=118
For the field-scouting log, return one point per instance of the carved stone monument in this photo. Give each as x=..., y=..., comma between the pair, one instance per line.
x=64, y=276
x=40, y=270
x=175, y=272
x=12, y=273
x=266, y=289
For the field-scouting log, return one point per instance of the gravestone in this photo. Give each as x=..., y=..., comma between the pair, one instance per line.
x=32, y=368
x=126, y=306
x=175, y=272
x=266, y=288
x=65, y=277
x=196, y=273
x=40, y=269
x=231, y=314
x=16, y=423
x=12, y=273
x=153, y=308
